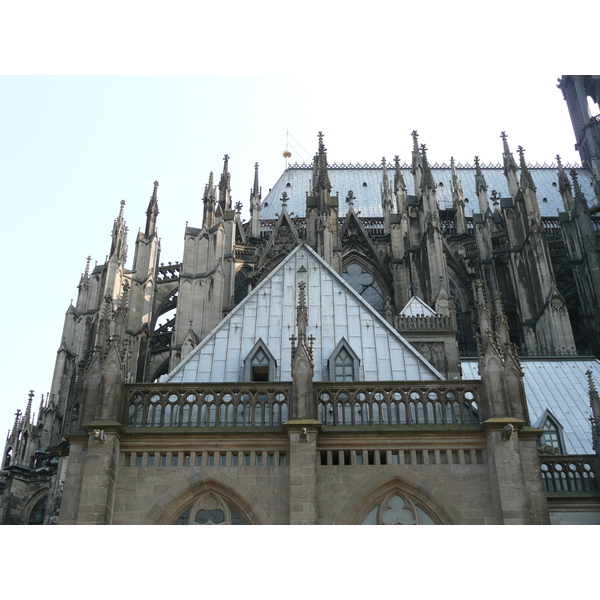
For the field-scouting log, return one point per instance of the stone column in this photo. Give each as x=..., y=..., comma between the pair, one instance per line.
x=99, y=476
x=303, y=434
x=515, y=477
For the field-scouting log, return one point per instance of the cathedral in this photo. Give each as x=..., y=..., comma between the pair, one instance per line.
x=393, y=343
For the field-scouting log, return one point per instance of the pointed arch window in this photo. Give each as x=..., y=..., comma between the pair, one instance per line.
x=344, y=364
x=365, y=284
x=260, y=364
x=240, y=288
x=210, y=509
x=398, y=509
x=37, y=514
x=552, y=435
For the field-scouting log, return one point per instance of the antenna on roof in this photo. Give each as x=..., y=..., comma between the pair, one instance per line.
x=298, y=148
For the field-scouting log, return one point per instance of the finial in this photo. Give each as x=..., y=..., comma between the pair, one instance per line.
x=238, y=207
x=121, y=210
x=256, y=189
x=414, y=286
x=156, y=184
x=87, y=265
x=495, y=198
x=284, y=198
x=350, y=198
x=505, y=142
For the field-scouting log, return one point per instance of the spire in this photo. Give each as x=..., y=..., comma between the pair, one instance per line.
x=118, y=247
x=427, y=181
x=399, y=184
x=510, y=167
x=526, y=179
x=564, y=186
x=502, y=327
x=301, y=312
x=152, y=212
x=456, y=183
x=225, y=186
x=417, y=162
x=322, y=180
x=208, y=217
x=256, y=191
x=481, y=188
x=255, y=200
x=17, y=422
x=579, y=197
x=28, y=409
x=485, y=318
x=458, y=200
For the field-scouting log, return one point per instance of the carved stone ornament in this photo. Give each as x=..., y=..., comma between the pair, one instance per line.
x=99, y=435
x=397, y=509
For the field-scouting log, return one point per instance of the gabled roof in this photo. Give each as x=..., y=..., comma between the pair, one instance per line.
x=368, y=197
x=561, y=387
x=415, y=306
x=335, y=311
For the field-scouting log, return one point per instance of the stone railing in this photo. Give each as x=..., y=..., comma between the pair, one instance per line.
x=213, y=405
x=424, y=323
x=255, y=404
x=569, y=473
x=169, y=272
x=390, y=403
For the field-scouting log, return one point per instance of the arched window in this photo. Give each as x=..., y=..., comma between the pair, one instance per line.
x=260, y=364
x=210, y=509
x=38, y=512
x=364, y=284
x=343, y=364
x=397, y=509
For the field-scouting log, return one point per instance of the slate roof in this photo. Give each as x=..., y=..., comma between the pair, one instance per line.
x=368, y=198
x=559, y=385
x=335, y=311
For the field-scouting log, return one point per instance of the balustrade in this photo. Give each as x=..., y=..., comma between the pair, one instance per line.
x=569, y=473
x=399, y=405
x=214, y=406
